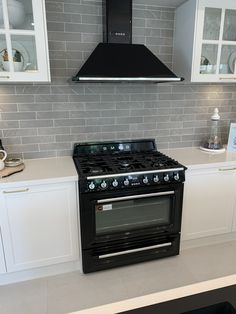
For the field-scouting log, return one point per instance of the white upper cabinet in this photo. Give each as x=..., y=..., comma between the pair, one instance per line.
x=23, y=41
x=205, y=41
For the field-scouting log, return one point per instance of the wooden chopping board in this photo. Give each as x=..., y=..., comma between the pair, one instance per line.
x=8, y=171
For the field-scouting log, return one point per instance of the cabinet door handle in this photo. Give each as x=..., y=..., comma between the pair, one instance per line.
x=5, y=77
x=16, y=191
x=227, y=169
x=227, y=78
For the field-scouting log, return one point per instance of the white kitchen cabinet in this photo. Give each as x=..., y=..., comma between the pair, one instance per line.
x=2, y=259
x=209, y=202
x=39, y=225
x=205, y=41
x=23, y=41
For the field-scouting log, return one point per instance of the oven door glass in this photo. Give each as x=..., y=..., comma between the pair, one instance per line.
x=134, y=212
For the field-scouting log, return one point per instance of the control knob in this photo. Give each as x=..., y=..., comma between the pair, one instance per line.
x=126, y=182
x=103, y=184
x=166, y=177
x=176, y=176
x=156, y=179
x=91, y=186
x=115, y=183
x=145, y=180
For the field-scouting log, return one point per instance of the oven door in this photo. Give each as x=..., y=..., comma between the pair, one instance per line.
x=115, y=216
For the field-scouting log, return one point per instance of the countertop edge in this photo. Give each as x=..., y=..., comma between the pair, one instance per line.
x=163, y=296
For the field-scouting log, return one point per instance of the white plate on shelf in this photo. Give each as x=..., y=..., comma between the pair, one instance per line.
x=232, y=61
x=16, y=46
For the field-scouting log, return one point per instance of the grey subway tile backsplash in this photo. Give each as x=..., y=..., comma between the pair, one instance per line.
x=45, y=120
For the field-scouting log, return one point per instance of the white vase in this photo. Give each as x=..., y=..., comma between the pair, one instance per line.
x=16, y=13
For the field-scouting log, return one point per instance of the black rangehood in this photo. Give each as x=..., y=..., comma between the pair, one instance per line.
x=117, y=59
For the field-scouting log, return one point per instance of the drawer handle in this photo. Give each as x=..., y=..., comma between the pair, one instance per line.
x=5, y=77
x=17, y=191
x=227, y=169
x=227, y=78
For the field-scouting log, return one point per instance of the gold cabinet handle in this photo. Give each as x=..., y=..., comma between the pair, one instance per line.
x=16, y=191
x=227, y=78
x=227, y=169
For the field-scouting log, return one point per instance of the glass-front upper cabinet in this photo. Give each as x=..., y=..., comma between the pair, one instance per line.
x=23, y=41
x=210, y=40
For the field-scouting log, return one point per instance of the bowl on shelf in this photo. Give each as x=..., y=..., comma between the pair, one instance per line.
x=18, y=66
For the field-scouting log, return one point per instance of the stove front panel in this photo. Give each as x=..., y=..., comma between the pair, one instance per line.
x=126, y=219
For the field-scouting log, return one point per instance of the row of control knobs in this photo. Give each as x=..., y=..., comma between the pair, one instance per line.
x=126, y=182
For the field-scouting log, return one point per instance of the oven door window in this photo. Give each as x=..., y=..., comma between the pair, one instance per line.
x=134, y=212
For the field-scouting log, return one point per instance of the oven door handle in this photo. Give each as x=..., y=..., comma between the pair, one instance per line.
x=157, y=246
x=134, y=197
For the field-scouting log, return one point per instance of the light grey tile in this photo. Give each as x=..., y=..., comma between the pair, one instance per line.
x=16, y=99
x=37, y=139
x=35, y=107
x=69, y=122
x=54, y=7
x=9, y=124
x=20, y=132
x=18, y=116
x=55, y=146
x=52, y=115
x=82, y=9
x=36, y=123
x=23, y=148
x=55, y=26
x=8, y=107
x=33, y=155
x=5, y=90
x=32, y=90
x=54, y=131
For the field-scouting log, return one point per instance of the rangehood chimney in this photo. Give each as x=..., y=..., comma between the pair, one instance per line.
x=117, y=59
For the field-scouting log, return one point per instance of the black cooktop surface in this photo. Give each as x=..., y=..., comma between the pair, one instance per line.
x=104, y=158
x=110, y=164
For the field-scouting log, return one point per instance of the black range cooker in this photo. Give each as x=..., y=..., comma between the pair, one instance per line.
x=130, y=203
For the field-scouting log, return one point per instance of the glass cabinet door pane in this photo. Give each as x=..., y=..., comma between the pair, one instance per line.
x=24, y=53
x=227, y=59
x=208, y=59
x=230, y=25
x=20, y=14
x=1, y=16
x=4, y=61
x=212, y=21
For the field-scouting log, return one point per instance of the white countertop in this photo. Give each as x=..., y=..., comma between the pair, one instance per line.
x=194, y=158
x=43, y=171
x=62, y=169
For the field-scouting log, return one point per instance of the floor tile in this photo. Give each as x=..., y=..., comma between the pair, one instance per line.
x=29, y=297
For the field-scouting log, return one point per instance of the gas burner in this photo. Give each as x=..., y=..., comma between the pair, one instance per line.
x=96, y=170
x=124, y=164
x=158, y=165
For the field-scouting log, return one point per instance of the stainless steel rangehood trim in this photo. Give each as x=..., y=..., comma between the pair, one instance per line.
x=128, y=79
x=117, y=59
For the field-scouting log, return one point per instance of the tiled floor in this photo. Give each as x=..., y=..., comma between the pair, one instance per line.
x=73, y=291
